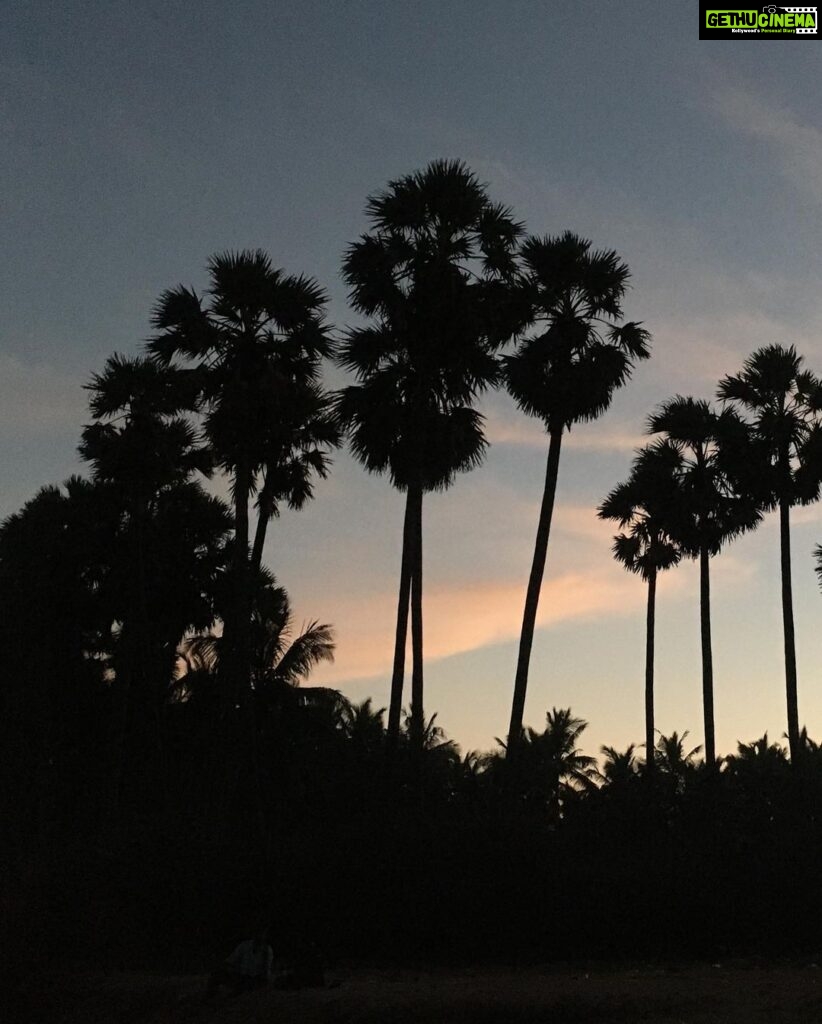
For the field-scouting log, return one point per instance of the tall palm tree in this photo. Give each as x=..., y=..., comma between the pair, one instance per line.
x=566, y=373
x=433, y=276
x=784, y=403
x=710, y=509
x=256, y=341
x=641, y=506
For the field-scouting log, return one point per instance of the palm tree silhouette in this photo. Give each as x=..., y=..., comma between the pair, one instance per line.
x=618, y=767
x=280, y=659
x=364, y=727
x=757, y=759
x=672, y=758
x=257, y=344
x=642, y=506
x=784, y=402
x=710, y=509
x=279, y=663
x=550, y=769
x=167, y=544
x=433, y=276
x=566, y=374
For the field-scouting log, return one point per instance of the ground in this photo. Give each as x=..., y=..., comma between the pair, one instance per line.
x=731, y=993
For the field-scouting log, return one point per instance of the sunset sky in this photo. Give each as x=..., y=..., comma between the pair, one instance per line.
x=138, y=138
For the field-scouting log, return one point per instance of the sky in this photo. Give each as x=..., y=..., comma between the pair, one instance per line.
x=139, y=138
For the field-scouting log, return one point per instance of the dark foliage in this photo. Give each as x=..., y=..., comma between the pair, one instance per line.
x=171, y=780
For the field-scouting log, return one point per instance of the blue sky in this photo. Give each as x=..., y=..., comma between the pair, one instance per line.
x=137, y=139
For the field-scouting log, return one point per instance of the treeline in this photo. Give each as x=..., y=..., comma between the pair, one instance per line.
x=166, y=772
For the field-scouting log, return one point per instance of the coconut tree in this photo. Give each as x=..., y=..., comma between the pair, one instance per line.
x=280, y=659
x=758, y=758
x=256, y=341
x=364, y=729
x=618, y=766
x=783, y=402
x=676, y=766
x=551, y=769
x=672, y=757
x=641, y=506
x=711, y=509
x=433, y=278
x=277, y=708
x=566, y=372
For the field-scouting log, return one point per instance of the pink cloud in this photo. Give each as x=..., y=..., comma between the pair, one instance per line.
x=465, y=618
x=515, y=428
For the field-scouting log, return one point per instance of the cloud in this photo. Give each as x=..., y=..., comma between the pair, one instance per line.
x=695, y=354
x=796, y=146
x=464, y=618
x=514, y=428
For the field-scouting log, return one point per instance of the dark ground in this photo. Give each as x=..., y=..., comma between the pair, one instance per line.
x=729, y=993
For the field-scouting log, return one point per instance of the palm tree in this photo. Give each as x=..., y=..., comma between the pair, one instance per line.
x=279, y=662
x=145, y=449
x=280, y=659
x=760, y=757
x=673, y=759
x=618, y=767
x=433, y=276
x=551, y=770
x=710, y=509
x=566, y=374
x=167, y=544
x=784, y=402
x=641, y=506
x=761, y=777
x=256, y=343
x=364, y=728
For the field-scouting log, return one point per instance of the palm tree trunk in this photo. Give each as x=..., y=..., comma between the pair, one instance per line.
x=150, y=689
x=240, y=628
x=529, y=617
x=649, y=674
x=417, y=713
x=788, y=629
x=707, y=655
x=246, y=697
x=235, y=668
x=266, y=510
x=398, y=673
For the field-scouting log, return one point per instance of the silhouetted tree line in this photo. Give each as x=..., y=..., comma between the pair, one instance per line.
x=168, y=776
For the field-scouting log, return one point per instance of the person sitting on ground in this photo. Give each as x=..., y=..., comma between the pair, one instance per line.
x=248, y=967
